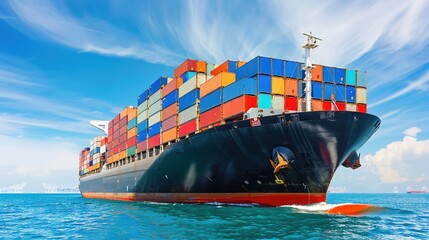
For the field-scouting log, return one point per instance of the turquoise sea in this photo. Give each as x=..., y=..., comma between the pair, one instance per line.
x=69, y=216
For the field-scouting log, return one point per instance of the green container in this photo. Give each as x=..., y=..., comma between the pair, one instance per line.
x=351, y=77
x=132, y=123
x=131, y=151
x=264, y=100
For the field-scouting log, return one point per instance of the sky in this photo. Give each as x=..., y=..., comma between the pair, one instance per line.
x=64, y=63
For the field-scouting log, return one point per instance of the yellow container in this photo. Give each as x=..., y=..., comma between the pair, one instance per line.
x=123, y=154
x=115, y=157
x=221, y=80
x=277, y=85
x=169, y=135
x=132, y=132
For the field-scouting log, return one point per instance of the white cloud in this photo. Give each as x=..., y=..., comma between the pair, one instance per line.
x=412, y=132
x=401, y=161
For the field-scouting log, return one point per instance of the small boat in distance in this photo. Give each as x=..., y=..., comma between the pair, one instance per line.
x=422, y=190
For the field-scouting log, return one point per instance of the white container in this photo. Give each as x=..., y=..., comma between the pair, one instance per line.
x=278, y=102
x=154, y=119
x=191, y=84
x=154, y=108
x=360, y=95
x=351, y=107
x=154, y=97
x=142, y=107
x=141, y=117
x=103, y=149
x=188, y=114
x=169, y=79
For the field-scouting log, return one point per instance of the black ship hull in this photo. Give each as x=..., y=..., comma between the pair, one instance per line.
x=231, y=163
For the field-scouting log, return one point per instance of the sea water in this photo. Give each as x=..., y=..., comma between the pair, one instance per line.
x=45, y=216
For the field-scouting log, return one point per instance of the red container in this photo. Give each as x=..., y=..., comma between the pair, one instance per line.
x=361, y=108
x=141, y=146
x=291, y=103
x=123, y=146
x=187, y=65
x=123, y=122
x=171, y=86
x=341, y=106
x=221, y=68
x=123, y=138
x=211, y=117
x=327, y=105
x=110, y=138
x=116, y=119
x=169, y=111
x=111, y=123
x=123, y=129
x=169, y=123
x=115, y=135
x=238, y=105
x=154, y=141
x=115, y=150
x=131, y=142
x=116, y=127
x=187, y=128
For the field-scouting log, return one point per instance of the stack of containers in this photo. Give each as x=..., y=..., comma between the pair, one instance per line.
x=169, y=114
x=123, y=132
x=211, y=93
x=95, y=156
x=193, y=74
x=103, y=150
x=239, y=97
x=83, y=158
x=351, y=90
x=113, y=140
x=132, y=132
x=154, y=112
x=361, y=91
x=142, y=115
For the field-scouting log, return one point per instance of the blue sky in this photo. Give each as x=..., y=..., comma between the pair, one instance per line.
x=63, y=63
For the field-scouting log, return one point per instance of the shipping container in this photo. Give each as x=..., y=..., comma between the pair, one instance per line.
x=350, y=94
x=169, y=123
x=278, y=66
x=351, y=77
x=142, y=107
x=340, y=77
x=142, y=126
x=157, y=85
x=132, y=141
x=131, y=151
x=328, y=91
x=210, y=68
x=361, y=108
x=171, y=98
x=124, y=113
x=316, y=90
x=132, y=132
x=169, y=111
x=211, y=116
x=361, y=78
x=154, y=130
x=154, y=141
x=123, y=154
x=227, y=66
x=340, y=93
x=328, y=106
x=317, y=73
x=171, y=86
x=143, y=97
x=141, y=146
x=258, y=65
x=154, y=98
x=316, y=105
x=189, y=99
x=246, y=86
x=351, y=107
x=291, y=103
x=341, y=106
x=187, y=128
x=294, y=70
x=156, y=118
x=132, y=123
x=361, y=95
x=264, y=100
x=201, y=67
x=169, y=135
x=210, y=101
x=155, y=108
x=238, y=106
x=221, y=80
x=187, y=65
x=192, y=84
x=188, y=75
x=188, y=114
x=278, y=102
x=277, y=85
x=291, y=87
x=142, y=117
x=328, y=74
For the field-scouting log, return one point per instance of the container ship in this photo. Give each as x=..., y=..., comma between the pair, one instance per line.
x=266, y=132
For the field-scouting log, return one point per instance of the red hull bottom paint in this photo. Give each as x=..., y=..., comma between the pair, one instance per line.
x=263, y=199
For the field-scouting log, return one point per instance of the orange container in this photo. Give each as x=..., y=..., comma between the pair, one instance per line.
x=132, y=113
x=187, y=65
x=221, y=68
x=132, y=132
x=240, y=63
x=316, y=105
x=109, y=160
x=126, y=111
x=291, y=87
x=277, y=85
x=211, y=117
x=169, y=111
x=317, y=73
x=115, y=157
x=169, y=135
x=123, y=154
x=171, y=86
x=238, y=105
x=220, y=80
x=201, y=66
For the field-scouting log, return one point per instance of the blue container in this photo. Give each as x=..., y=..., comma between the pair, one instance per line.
x=340, y=76
x=132, y=123
x=246, y=86
x=328, y=74
x=211, y=100
x=340, y=93
x=96, y=150
x=170, y=99
x=300, y=72
x=264, y=84
x=351, y=77
x=188, y=75
x=91, y=153
x=157, y=85
x=142, y=97
x=232, y=66
x=292, y=70
x=91, y=163
x=316, y=90
x=264, y=100
x=142, y=126
x=154, y=129
x=258, y=65
x=361, y=79
x=328, y=90
x=189, y=99
x=141, y=136
x=351, y=94
x=278, y=66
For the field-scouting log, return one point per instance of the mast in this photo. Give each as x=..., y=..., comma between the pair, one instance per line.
x=308, y=45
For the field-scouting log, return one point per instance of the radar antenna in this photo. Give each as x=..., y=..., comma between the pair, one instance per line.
x=311, y=43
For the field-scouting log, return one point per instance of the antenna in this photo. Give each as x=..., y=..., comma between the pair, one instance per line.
x=311, y=43
x=102, y=125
